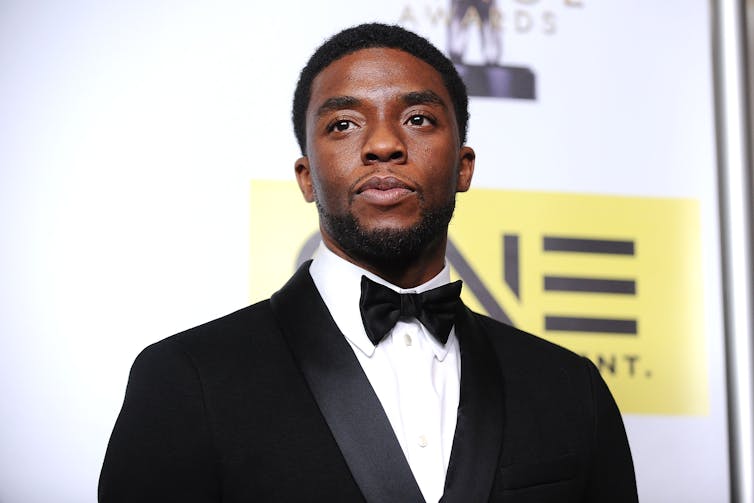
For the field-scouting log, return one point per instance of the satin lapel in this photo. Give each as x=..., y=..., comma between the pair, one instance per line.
x=347, y=401
x=479, y=430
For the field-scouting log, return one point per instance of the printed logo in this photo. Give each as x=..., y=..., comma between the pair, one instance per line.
x=616, y=279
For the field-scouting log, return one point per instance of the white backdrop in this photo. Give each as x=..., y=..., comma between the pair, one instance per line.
x=129, y=133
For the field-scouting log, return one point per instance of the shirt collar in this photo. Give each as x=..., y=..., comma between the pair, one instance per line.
x=339, y=284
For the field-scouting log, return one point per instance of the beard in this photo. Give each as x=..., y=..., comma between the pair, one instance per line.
x=387, y=247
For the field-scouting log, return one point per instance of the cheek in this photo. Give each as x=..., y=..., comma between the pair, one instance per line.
x=442, y=175
x=335, y=168
x=330, y=189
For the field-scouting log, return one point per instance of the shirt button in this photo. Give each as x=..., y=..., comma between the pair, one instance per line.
x=407, y=339
x=423, y=441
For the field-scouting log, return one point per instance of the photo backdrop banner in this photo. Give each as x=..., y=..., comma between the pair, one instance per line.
x=147, y=186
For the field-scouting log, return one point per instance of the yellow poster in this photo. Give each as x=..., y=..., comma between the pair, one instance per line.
x=616, y=279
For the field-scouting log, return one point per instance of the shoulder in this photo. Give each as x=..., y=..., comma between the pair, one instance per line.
x=535, y=367
x=536, y=370
x=515, y=345
x=247, y=342
x=233, y=337
x=232, y=327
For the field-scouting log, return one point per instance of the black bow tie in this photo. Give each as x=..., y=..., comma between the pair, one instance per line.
x=382, y=307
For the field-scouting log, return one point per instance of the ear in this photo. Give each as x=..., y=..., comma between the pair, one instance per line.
x=465, y=169
x=304, y=179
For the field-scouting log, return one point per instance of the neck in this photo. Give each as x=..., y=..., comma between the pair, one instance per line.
x=402, y=273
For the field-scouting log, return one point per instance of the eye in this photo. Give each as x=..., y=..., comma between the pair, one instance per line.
x=341, y=125
x=420, y=120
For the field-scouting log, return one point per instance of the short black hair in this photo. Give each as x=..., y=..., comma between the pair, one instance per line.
x=371, y=35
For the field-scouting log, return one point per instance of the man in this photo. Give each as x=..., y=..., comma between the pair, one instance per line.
x=327, y=391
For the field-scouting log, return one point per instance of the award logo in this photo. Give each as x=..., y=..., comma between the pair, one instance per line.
x=490, y=78
x=482, y=37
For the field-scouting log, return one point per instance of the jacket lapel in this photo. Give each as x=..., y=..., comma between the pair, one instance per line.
x=479, y=430
x=346, y=399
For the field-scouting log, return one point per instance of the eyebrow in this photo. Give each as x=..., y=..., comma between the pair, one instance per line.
x=337, y=103
x=426, y=97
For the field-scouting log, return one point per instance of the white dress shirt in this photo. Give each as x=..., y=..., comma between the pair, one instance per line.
x=416, y=378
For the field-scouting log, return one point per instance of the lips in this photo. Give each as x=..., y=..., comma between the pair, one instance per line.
x=384, y=190
x=380, y=183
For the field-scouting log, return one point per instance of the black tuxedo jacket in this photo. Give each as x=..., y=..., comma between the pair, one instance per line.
x=270, y=404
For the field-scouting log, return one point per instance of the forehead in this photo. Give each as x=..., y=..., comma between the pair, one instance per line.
x=378, y=71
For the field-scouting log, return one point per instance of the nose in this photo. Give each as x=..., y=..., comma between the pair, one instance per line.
x=383, y=144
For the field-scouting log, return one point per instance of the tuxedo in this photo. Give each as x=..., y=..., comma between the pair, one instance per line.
x=270, y=404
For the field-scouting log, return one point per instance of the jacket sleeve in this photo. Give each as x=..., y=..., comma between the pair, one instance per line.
x=612, y=472
x=161, y=445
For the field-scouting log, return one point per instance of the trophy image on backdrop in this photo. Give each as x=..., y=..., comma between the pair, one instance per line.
x=489, y=79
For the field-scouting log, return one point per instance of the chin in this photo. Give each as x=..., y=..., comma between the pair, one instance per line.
x=389, y=240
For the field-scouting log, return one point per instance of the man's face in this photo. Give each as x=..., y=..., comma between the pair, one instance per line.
x=384, y=161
